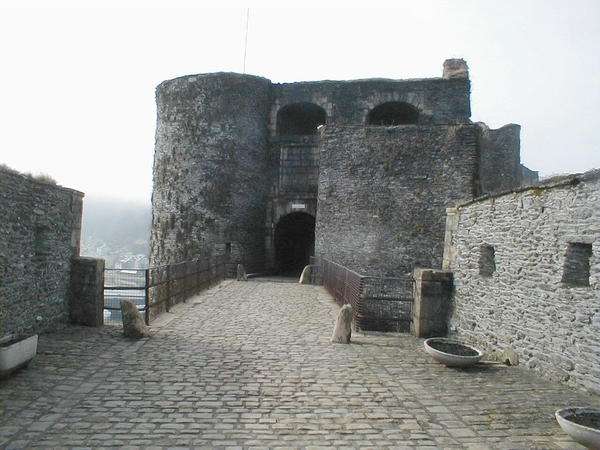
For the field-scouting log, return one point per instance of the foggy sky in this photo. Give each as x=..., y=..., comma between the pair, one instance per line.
x=78, y=78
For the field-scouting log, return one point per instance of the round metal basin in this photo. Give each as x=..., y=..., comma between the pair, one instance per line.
x=452, y=353
x=587, y=436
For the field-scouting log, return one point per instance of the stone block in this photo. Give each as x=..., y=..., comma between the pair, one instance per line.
x=133, y=323
x=342, y=331
x=241, y=273
x=306, y=275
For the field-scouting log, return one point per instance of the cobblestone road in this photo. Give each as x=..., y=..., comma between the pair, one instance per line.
x=250, y=365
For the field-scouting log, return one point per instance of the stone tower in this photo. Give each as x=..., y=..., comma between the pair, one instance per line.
x=211, y=168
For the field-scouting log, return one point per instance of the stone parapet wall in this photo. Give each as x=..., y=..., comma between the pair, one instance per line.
x=39, y=235
x=439, y=100
x=526, y=272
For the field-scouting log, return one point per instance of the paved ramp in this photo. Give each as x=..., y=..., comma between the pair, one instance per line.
x=250, y=365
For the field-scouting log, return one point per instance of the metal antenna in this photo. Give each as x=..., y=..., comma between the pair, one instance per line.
x=246, y=39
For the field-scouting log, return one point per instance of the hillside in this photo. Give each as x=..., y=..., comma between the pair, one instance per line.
x=116, y=230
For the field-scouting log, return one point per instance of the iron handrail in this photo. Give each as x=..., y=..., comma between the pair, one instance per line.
x=349, y=287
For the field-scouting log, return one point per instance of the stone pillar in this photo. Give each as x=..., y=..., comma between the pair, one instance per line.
x=316, y=270
x=86, y=294
x=452, y=219
x=432, y=297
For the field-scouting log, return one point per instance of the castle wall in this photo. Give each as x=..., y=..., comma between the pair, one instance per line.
x=500, y=158
x=527, y=271
x=383, y=193
x=39, y=235
x=211, y=168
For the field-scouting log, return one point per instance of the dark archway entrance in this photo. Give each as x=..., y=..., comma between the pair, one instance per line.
x=294, y=242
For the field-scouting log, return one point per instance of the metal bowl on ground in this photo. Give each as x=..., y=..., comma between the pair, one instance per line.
x=16, y=352
x=581, y=424
x=452, y=353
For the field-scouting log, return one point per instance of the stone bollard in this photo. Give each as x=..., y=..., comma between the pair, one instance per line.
x=343, y=326
x=133, y=323
x=305, y=277
x=241, y=273
x=510, y=357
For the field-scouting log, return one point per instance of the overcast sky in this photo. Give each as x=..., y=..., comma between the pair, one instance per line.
x=78, y=77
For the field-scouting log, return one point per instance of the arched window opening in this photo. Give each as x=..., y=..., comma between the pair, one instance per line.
x=294, y=242
x=393, y=113
x=300, y=119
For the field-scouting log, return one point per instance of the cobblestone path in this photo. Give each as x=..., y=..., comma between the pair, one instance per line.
x=250, y=365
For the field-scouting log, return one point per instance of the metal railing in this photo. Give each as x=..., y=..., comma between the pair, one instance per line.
x=342, y=284
x=126, y=284
x=156, y=289
x=379, y=304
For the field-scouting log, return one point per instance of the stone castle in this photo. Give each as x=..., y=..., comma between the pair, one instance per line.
x=360, y=171
x=382, y=176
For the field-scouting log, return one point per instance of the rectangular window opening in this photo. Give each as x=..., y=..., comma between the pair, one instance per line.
x=42, y=243
x=576, y=271
x=487, y=260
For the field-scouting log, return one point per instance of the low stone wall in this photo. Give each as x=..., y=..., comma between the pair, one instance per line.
x=526, y=273
x=39, y=235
